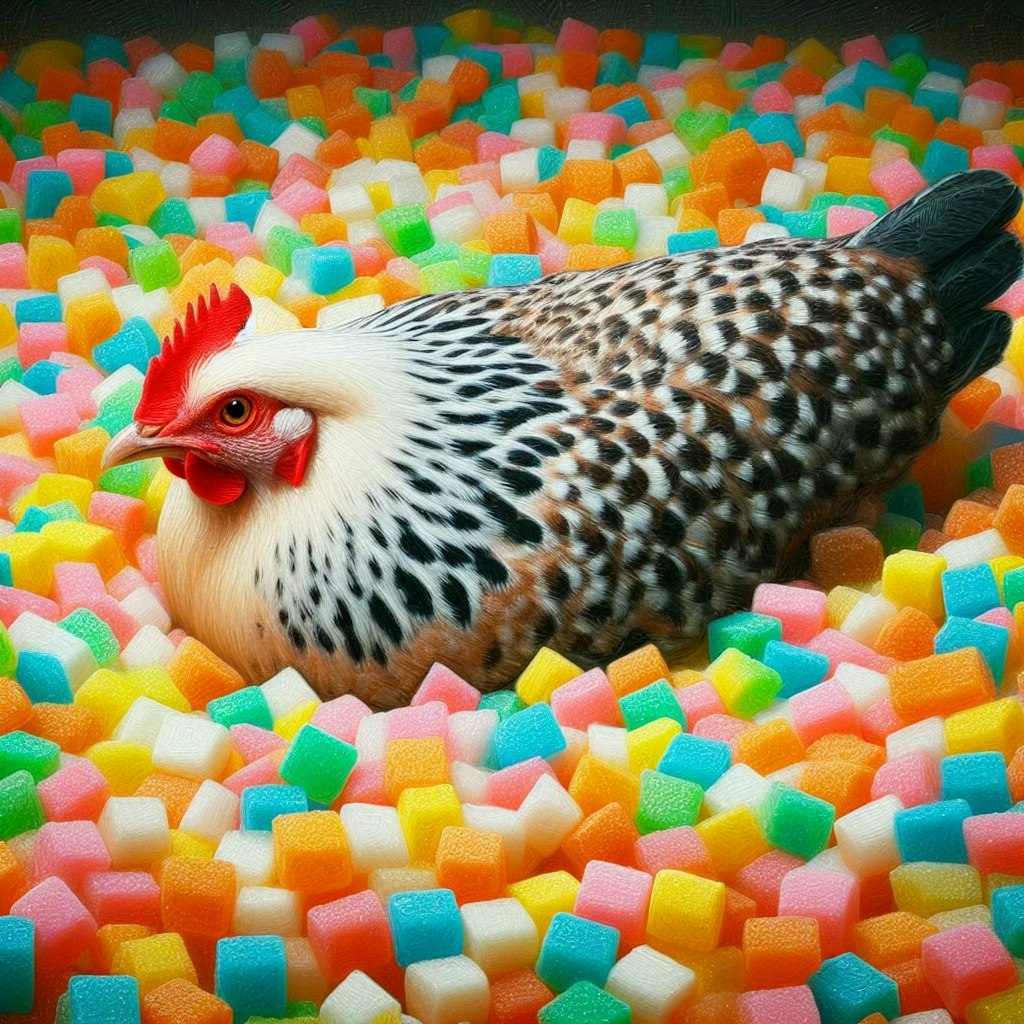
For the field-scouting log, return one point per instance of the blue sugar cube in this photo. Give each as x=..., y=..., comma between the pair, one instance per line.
x=948, y=67
x=533, y=732
x=26, y=148
x=41, y=675
x=425, y=925
x=970, y=591
x=238, y=101
x=847, y=94
x=941, y=104
x=632, y=110
x=576, y=949
x=98, y=47
x=262, y=804
x=992, y=641
x=799, y=668
x=615, y=69
x=696, y=759
x=1008, y=917
x=244, y=207
x=36, y=517
x=777, y=128
x=17, y=964
x=943, y=158
x=549, y=161
x=102, y=999
x=748, y=632
x=488, y=58
x=661, y=49
x=42, y=376
x=15, y=89
x=346, y=46
x=648, y=704
x=847, y=990
x=691, y=241
x=869, y=75
x=429, y=39
x=330, y=269
x=116, y=164
x=804, y=223
x=92, y=113
x=44, y=190
x=502, y=101
x=513, y=269
x=933, y=832
x=249, y=975
x=134, y=344
x=40, y=309
x=902, y=43
x=980, y=779
x=261, y=126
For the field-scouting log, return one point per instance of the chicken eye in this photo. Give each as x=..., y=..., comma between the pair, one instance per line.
x=236, y=411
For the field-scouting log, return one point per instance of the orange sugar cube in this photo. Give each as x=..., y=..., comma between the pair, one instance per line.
x=12, y=878
x=710, y=200
x=917, y=122
x=846, y=786
x=174, y=140
x=74, y=214
x=108, y=940
x=777, y=154
x=337, y=150
x=437, y=155
x=311, y=852
x=58, y=137
x=915, y=990
x=596, y=783
x=890, y=938
x=636, y=670
x=512, y=231
x=324, y=227
x=780, y=951
x=268, y=73
x=91, y=319
x=193, y=57
x=841, y=746
x=305, y=101
x=469, y=80
x=306, y=308
x=845, y=555
x=966, y=518
x=74, y=727
x=15, y=707
x=197, y=897
x=608, y=834
x=423, y=116
x=261, y=162
x=200, y=675
x=638, y=166
x=930, y=542
x=734, y=223
x=644, y=131
x=958, y=134
x=619, y=40
x=590, y=180
x=830, y=119
x=769, y=747
x=175, y=792
x=1015, y=775
x=579, y=69
x=883, y=103
x=940, y=685
x=471, y=863
x=1009, y=518
x=845, y=144
x=800, y=80
x=49, y=259
x=540, y=206
x=1008, y=466
x=414, y=762
x=586, y=256
x=107, y=242
x=710, y=87
x=437, y=92
x=971, y=402
x=44, y=227
x=181, y=1002
x=721, y=971
x=691, y=220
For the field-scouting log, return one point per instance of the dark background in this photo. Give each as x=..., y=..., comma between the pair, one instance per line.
x=968, y=31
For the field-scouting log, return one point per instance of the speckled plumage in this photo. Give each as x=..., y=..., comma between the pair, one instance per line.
x=587, y=462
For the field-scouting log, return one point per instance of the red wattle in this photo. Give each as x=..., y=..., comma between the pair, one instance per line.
x=212, y=483
x=175, y=466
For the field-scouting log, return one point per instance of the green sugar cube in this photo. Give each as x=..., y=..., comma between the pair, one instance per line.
x=131, y=479
x=406, y=229
x=796, y=822
x=118, y=409
x=616, y=227
x=172, y=216
x=20, y=809
x=744, y=684
x=319, y=763
x=666, y=802
x=698, y=129
x=658, y=700
x=441, y=252
x=474, y=267
x=199, y=92
x=443, y=277
x=95, y=632
x=10, y=226
x=376, y=101
x=282, y=243
x=40, y=114
x=748, y=632
x=8, y=656
x=247, y=706
x=584, y=1001
x=505, y=702
x=21, y=751
x=172, y=110
x=154, y=266
x=896, y=532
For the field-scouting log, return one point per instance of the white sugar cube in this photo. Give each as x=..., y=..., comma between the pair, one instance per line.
x=668, y=152
x=519, y=169
x=651, y=984
x=231, y=45
x=135, y=831
x=143, y=160
x=866, y=837
x=608, y=743
x=645, y=199
x=287, y=691
x=673, y=102
x=131, y=301
x=585, y=149
x=561, y=104
x=927, y=736
x=548, y=815
x=459, y=224
x=469, y=734
x=121, y=376
x=452, y=990
x=360, y=1000
x=191, y=746
x=164, y=73
x=291, y=46
x=176, y=179
x=868, y=618
x=265, y=910
x=831, y=861
x=352, y=202
x=31, y=632
x=272, y=216
x=813, y=172
x=760, y=230
x=541, y=82
x=469, y=782
x=375, y=837
x=499, y=935
x=145, y=607
x=252, y=854
x=207, y=210
x=864, y=685
x=534, y=131
x=925, y=1017
x=785, y=190
x=297, y=138
x=211, y=813
x=740, y=786
x=439, y=68
x=142, y=721
x=408, y=189
x=81, y=283
x=148, y=647
x=370, y=737
x=129, y=118
x=973, y=550
x=12, y=394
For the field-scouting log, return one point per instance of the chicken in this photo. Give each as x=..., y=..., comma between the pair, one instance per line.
x=588, y=462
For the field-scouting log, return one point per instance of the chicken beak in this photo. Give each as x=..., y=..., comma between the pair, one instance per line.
x=137, y=442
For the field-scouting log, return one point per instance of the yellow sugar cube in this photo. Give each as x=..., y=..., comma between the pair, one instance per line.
x=359, y=288
x=474, y=25
x=815, y=55
x=545, y=673
x=686, y=910
x=849, y=175
x=270, y=318
x=27, y=561
x=141, y=137
x=15, y=444
x=288, y=725
x=235, y=763
x=8, y=327
x=925, y=888
x=91, y=319
x=576, y=225
x=154, y=682
x=156, y=494
x=183, y=844
x=49, y=259
x=733, y=838
x=689, y=219
x=646, y=745
x=125, y=765
x=385, y=882
x=389, y=139
x=543, y=896
x=995, y=726
x=1015, y=350
x=683, y=677
x=80, y=454
x=154, y=961
x=435, y=179
x=110, y=695
x=52, y=487
x=745, y=685
x=424, y=812
x=839, y=603
x=1005, y=1007
x=946, y=919
x=35, y=59
x=531, y=104
x=914, y=579
x=86, y=542
x=1001, y=566
x=380, y=194
x=134, y=196
x=201, y=280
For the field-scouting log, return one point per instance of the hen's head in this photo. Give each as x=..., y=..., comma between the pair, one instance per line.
x=212, y=415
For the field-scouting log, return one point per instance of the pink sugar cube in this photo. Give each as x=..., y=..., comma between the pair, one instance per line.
x=516, y=60
x=45, y=420
x=298, y=168
x=413, y=723
x=302, y=197
x=365, y=785
x=76, y=792
x=313, y=35
x=838, y=648
x=794, y=1005
x=400, y=46
x=586, y=700
x=251, y=742
x=176, y=636
x=341, y=717
x=146, y=556
x=141, y=49
x=40, y=341
x=442, y=685
x=721, y=727
x=1001, y=158
x=966, y=963
x=986, y=89
x=800, y=610
x=123, y=514
x=16, y=473
x=823, y=709
x=995, y=842
x=138, y=93
x=123, y=624
x=123, y=897
x=698, y=701
x=609, y=129
x=879, y=720
x=485, y=172
x=732, y=54
x=13, y=266
x=64, y=928
x=70, y=850
x=865, y=48
x=14, y=602
x=485, y=195
x=897, y=182
x=553, y=253
x=913, y=778
x=576, y=35
x=844, y=220
x=78, y=383
x=85, y=167
x=617, y=896
x=772, y=98
x=1012, y=300
x=676, y=849
x=509, y=786
x=235, y=237
x=831, y=898
x=672, y=80
x=405, y=270
x=367, y=260
x=116, y=275
x=123, y=583
x=23, y=168
x=264, y=771
x=75, y=583
x=449, y=202
x=1000, y=617
x=761, y=879
x=217, y=155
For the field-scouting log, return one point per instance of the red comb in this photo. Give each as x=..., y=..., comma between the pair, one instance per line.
x=210, y=327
